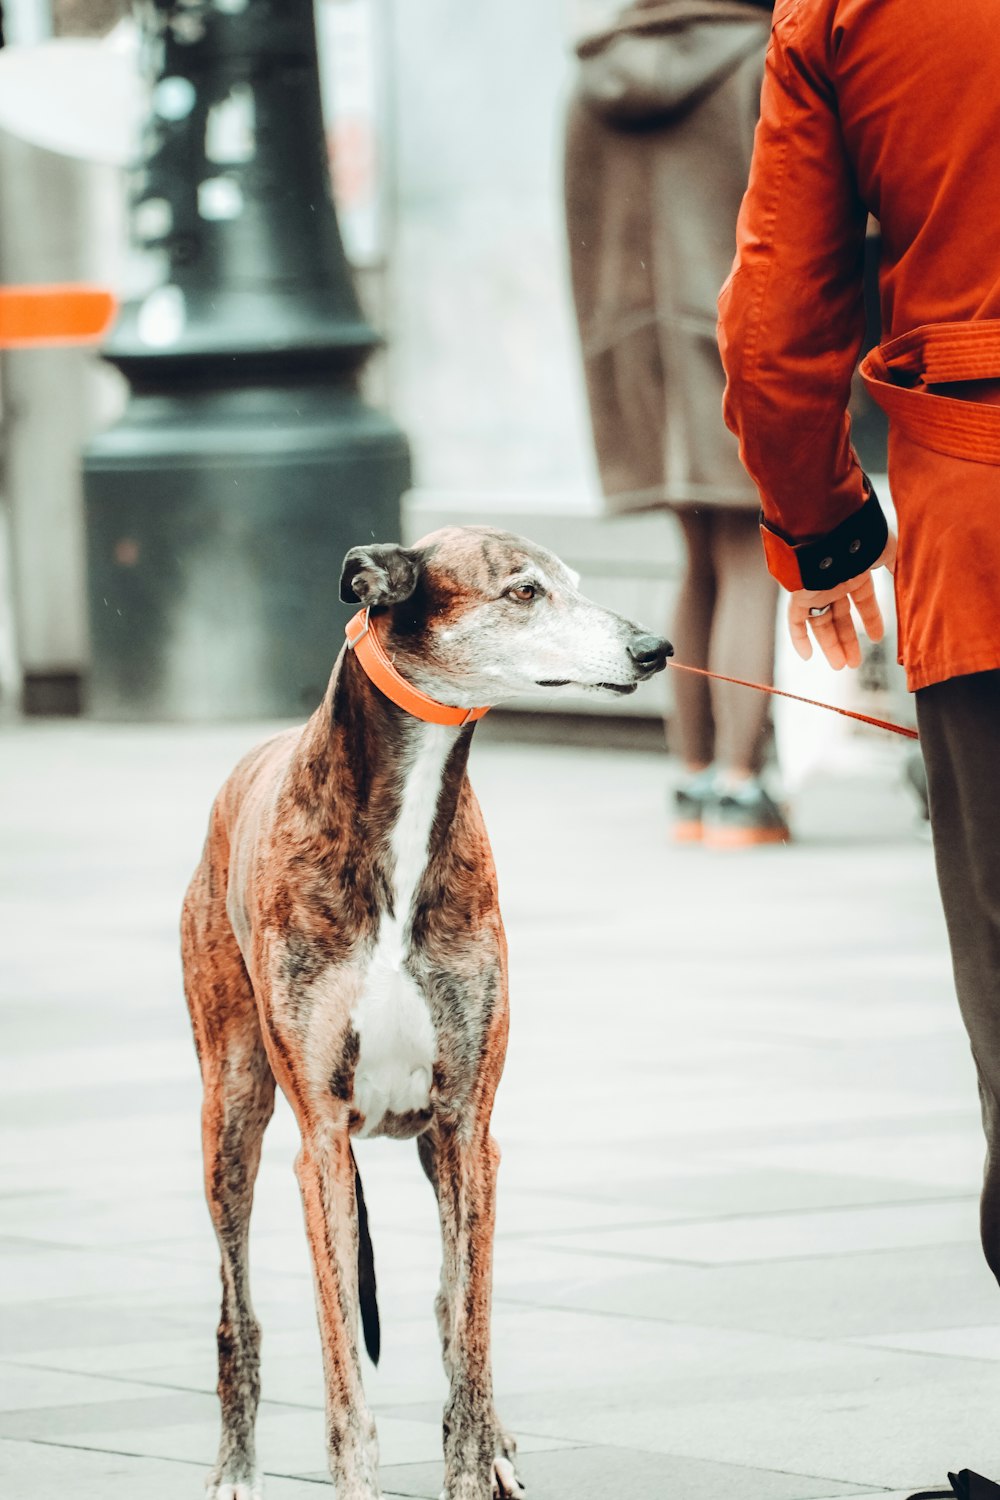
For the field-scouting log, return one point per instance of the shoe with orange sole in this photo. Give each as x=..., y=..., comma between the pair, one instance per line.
x=744, y=817
x=691, y=798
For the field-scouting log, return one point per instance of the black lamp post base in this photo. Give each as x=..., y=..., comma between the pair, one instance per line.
x=217, y=522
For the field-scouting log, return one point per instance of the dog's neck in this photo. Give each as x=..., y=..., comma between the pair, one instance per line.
x=359, y=750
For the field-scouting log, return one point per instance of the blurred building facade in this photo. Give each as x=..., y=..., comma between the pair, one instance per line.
x=449, y=168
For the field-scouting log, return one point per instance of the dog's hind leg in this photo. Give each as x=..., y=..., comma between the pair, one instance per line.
x=237, y=1104
x=479, y=1452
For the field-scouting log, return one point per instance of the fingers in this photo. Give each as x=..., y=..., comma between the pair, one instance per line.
x=835, y=631
x=836, y=636
x=865, y=602
x=798, y=630
x=847, y=635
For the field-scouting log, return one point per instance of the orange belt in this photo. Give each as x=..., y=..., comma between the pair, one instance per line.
x=938, y=354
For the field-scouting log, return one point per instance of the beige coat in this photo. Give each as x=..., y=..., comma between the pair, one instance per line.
x=659, y=138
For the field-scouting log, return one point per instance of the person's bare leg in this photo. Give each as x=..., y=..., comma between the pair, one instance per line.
x=693, y=728
x=742, y=814
x=742, y=643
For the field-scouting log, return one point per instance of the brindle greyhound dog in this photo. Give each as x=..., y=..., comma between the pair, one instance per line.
x=341, y=936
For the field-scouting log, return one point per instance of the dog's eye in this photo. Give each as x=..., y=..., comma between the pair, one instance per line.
x=524, y=593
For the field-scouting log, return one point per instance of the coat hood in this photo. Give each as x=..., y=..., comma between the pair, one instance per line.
x=660, y=57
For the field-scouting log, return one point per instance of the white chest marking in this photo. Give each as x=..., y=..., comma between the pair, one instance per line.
x=395, y=1034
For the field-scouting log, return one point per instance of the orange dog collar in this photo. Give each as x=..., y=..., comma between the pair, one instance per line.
x=362, y=639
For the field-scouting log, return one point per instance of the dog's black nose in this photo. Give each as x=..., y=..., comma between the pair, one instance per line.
x=650, y=651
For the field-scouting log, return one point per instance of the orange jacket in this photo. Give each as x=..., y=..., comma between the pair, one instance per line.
x=887, y=106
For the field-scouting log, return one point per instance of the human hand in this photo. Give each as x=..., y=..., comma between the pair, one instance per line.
x=834, y=629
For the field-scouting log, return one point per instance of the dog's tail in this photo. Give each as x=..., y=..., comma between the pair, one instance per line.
x=366, y=1274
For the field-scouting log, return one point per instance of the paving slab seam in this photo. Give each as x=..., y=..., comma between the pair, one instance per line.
x=502, y=1300
x=863, y=1343
x=650, y=1260
x=638, y=1447
x=846, y=1489
x=727, y=1265
x=823, y=1130
x=189, y=1463
x=138, y=1252
x=568, y=1445
x=818, y=1130
x=861, y=1486
x=734, y=1218
x=156, y=1385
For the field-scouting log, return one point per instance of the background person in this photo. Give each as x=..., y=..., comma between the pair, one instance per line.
x=886, y=105
x=658, y=144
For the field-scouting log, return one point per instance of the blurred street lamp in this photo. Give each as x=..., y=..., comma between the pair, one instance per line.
x=219, y=507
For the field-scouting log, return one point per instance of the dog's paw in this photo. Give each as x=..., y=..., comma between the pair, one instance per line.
x=234, y=1489
x=506, y=1484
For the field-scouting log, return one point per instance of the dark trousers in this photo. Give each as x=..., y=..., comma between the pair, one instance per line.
x=960, y=735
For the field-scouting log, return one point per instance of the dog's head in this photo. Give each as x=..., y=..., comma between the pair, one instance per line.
x=472, y=615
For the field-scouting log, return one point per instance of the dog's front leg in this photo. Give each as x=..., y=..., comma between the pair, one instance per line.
x=463, y=1172
x=325, y=1171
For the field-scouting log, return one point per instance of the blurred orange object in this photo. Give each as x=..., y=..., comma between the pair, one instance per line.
x=54, y=315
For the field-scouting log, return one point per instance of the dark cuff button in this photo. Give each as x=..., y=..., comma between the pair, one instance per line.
x=847, y=550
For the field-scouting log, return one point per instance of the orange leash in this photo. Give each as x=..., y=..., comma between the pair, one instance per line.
x=762, y=687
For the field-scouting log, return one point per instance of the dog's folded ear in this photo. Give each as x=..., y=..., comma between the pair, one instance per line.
x=381, y=574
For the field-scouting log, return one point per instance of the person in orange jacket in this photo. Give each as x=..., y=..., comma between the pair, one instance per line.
x=883, y=107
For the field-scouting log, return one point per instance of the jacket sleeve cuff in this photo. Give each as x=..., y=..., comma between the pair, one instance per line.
x=825, y=562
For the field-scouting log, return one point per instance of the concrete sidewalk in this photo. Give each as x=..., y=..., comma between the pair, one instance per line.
x=737, y=1249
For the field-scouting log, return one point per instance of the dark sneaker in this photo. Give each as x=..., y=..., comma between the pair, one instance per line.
x=691, y=799
x=743, y=817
